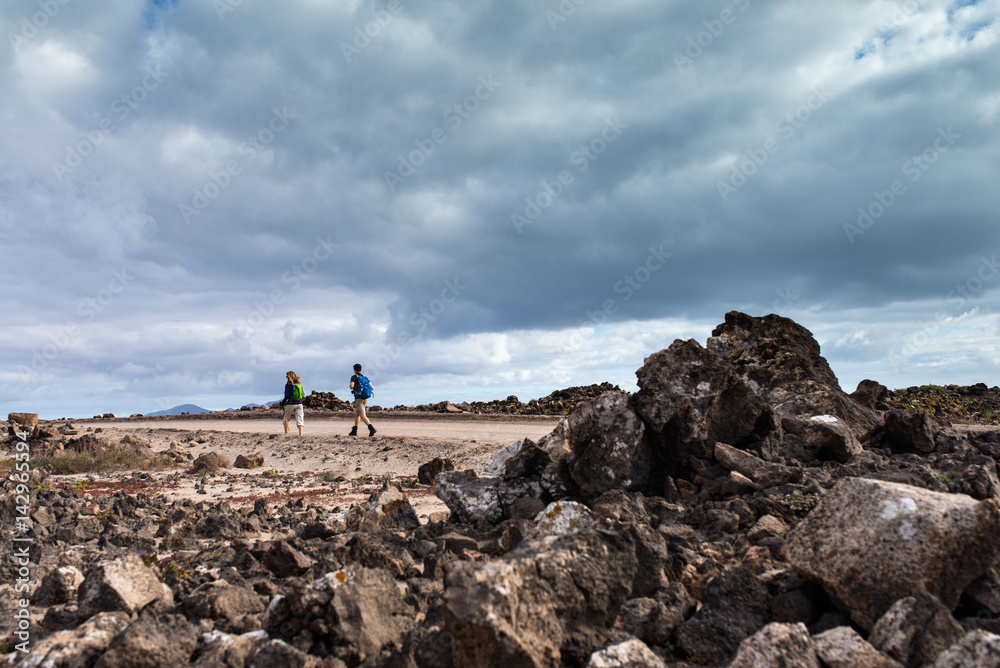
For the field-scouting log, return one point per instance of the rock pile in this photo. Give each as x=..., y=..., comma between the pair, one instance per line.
x=739, y=510
x=327, y=400
x=560, y=402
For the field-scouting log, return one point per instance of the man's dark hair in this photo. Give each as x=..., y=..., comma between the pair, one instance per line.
x=357, y=368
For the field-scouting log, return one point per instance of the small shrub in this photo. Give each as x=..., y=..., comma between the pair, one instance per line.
x=798, y=503
x=112, y=458
x=877, y=440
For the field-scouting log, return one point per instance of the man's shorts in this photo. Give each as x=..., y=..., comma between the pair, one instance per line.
x=361, y=407
x=297, y=411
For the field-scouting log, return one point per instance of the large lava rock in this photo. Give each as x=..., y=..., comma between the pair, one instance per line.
x=734, y=606
x=552, y=600
x=350, y=614
x=915, y=630
x=600, y=446
x=607, y=446
x=785, y=645
x=151, y=642
x=690, y=398
x=780, y=359
x=125, y=584
x=870, y=543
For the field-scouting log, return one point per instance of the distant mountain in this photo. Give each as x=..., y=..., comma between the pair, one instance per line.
x=183, y=408
x=250, y=405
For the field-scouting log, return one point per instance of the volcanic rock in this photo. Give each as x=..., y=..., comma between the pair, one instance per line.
x=628, y=654
x=780, y=359
x=125, y=584
x=77, y=647
x=326, y=400
x=23, y=419
x=470, y=499
x=549, y=600
x=388, y=509
x=785, y=645
x=360, y=610
x=734, y=606
x=915, y=630
x=843, y=647
x=220, y=649
x=976, y=648
x=690, y=398
x=872, y=394
x=152, y=642
x=429, y=470
x=984, y=592
x=870, y=543
x=653, y=620
x=607, y=448
x=978, y=480
x=284, y=560
x=908, y=430
x=211, y=462
x=222, y=600
x=254, y=461
x=764, y=474
x=59, y=585
x=278, y=654
x=819, y=437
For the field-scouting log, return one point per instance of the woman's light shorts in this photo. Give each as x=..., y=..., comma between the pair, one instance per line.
x=297, y=411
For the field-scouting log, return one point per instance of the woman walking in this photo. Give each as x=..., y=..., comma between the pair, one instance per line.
x=292, y=403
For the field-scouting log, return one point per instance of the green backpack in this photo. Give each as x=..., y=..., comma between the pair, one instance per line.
x=297, y=392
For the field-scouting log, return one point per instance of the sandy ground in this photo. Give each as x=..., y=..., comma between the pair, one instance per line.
x=325, y=464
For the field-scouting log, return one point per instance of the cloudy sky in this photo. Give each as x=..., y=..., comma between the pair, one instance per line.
x=478, y=198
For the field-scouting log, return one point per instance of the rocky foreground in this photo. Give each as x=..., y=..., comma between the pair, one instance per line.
x=739, y=510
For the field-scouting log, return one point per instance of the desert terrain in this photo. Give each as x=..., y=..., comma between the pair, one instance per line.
x=334, y=468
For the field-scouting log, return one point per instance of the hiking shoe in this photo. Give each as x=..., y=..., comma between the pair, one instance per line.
x=371, y=430
x=354, y=431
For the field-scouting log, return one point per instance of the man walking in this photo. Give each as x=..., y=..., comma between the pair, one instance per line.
x=361, y=388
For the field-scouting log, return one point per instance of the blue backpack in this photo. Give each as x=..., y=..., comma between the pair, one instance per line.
x=363, y=388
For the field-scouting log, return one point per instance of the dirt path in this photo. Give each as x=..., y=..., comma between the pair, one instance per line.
x=326, y=464
x=482, y=431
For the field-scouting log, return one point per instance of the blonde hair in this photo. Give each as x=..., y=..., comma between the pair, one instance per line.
x=293, y=377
